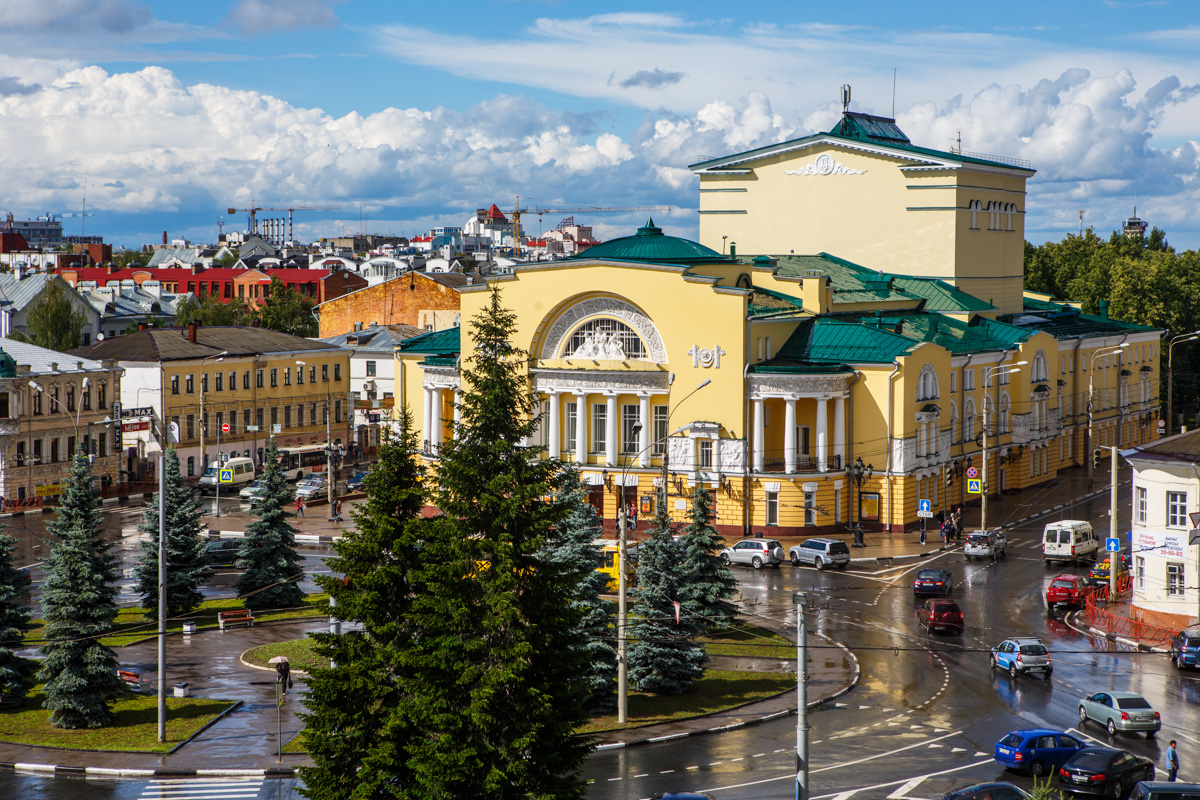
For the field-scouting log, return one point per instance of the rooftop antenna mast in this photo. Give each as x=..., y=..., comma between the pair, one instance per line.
x=893, y=92
x=845, y=98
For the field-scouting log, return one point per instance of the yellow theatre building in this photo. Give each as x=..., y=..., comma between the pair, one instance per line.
x=870, y=314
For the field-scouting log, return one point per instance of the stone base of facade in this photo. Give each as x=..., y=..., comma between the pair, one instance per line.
x=1160, y=619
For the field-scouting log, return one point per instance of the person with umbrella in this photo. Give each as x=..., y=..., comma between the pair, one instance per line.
x=283, y=673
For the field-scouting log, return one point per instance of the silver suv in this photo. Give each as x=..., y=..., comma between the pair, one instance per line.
x=821, y=552
x=986, y=544
x=754, y=552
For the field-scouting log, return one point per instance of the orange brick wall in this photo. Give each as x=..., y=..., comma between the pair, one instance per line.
x=386, y=304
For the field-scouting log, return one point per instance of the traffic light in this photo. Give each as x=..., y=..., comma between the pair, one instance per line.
x=949, y=478
x=1097, y=457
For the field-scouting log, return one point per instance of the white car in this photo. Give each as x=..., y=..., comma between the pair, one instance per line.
x=755, y=552
x=986, y=544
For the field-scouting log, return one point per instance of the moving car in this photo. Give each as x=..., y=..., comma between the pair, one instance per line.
x=1121, y=711
x=1103, y=771
x=1185, y=648
x=1164, y=790
x=1037, y=751
x=933, y=581
x=1100, y=570
x=821, y=552
x=1066, y=590
x=996, y=790
x=940, y=615
x=241, y=471
x=252, y=493
x=310, y=487
x=1069, y=540
x=755, y=552
x=222, y=552
x=355, y=484
x=986, y=544
x=1022, y=655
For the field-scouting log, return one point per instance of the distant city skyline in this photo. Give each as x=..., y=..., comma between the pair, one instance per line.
x=165, y=114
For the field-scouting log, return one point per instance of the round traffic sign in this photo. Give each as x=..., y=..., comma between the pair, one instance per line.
x=1162, y=423
x=225, y=427
x=972, y=472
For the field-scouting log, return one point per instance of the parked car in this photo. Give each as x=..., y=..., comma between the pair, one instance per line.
x=940, y=615
x=1103, y=771
x=933, y=581
x=1185, y=648
x=241, y=472
x=1100, y=570
x=355, y=484
x=252, y=493
x=1121, y=711
x=1066, y=590
x=1022, y=655
x=311, y=487
x=996, y=790
x=1069, y=540
x=222, y=552
x=821, y=552
x=1164, y=790
x=1037, y=751
x=986, y=544
x=755, y=552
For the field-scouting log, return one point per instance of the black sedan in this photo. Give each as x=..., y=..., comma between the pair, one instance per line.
x=997, y=790
x=1104, y=771
x=933, y=582
x=222, y=552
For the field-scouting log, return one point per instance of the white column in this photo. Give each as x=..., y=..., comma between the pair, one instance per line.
x=789, y=435
x=644, y=436
x=822, y=434
x=758, y=434
x=555, y=440
x=581, y=415
x=457, y=410
x=428, y=426
x=610, y=433
x=839, y=429
x=435, y=437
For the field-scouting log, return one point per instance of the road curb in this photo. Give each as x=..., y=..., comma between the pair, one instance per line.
x=1112, y=637
x=163, y=772
x=877, y=560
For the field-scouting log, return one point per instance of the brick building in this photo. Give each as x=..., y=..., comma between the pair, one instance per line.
x=398, y=301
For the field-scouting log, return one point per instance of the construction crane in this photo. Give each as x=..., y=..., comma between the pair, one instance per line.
x=518, y=211
x=254, y=211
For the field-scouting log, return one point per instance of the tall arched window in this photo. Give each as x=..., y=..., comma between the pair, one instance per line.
x=975, y=207
x=1002, y=424
x=927, y=384
x=1040, y=371
x=953, y=422
x=968, y=419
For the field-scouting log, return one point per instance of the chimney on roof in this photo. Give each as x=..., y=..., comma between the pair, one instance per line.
x=164, y=238
x=1103, y=309
x=191, y=332
x=357, y=327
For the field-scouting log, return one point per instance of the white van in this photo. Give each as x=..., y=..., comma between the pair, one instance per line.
x=243, y=473
x=1069, y=540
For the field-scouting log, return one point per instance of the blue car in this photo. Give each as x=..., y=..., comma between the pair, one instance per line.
x=1037, y=751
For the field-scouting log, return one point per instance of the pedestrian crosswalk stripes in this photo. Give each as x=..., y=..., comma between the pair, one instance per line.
x=202, y=789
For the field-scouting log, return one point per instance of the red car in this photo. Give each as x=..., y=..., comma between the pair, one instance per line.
x=943, y=614
x=1066, y=590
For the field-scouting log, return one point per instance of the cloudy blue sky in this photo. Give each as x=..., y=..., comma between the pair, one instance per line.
x=409, y=115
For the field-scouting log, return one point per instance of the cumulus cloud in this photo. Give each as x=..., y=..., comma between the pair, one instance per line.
x=11, y=85
x=652, y=79
x=266, y=16
x=55, y=16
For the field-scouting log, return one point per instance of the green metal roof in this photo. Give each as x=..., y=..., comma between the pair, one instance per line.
x=649, y=245
x=435, y=343
x=823, y=340
x=851, y=283
x=939, y=295
x=1067, y=322
x=957, y=337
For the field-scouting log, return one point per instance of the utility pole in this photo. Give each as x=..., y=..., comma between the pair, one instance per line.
x=622, y=616
x=801, y=602
x=1114, y=557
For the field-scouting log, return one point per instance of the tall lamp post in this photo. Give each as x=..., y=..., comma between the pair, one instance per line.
x=988, y=372
x=801, y=601
x=859, y=473
x=1183, y=337
x=1091, y=399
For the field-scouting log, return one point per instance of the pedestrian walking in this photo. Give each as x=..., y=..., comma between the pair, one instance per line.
x=283, y=676
x=300, y=507
x=337, y=509
x=1172, y=762
x=922, y=533
x=958, y=523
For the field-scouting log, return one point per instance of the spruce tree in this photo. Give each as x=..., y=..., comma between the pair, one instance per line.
x=357, y=726
x=664, y=657
x=267, y=555
x=79, y=606
x=572, y=545
x=708, y=582
x=16, y=673
x=187, y=564
x=498, y=674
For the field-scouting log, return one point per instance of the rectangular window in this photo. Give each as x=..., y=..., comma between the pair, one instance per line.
x=953, y=381
x=325, y=414
x=219, y=381
x=1174, y=579
x=258, y=379
x=312, y=374
x=37, y=451
x=569, y=414
x=968, y=380
x=274, y=417
x=706, y=453
x=772, y=508
x=4, y=407
x=802, y=439
x=300, y=415
x=1139, y=504
x=246, y=379
x=370, y=369
x=299, y=376
x=71, y=398
x=660, y=430
x=190, y=429
x=190, y=384
x=87, y=398
x=337, y=411
x=312, y=414
x=1139, y=571
x=174, y=384
x=204, y=382
x=325, y=373
x=1176, y=509
x=810, y=508
x=287, y=377
x=245, y=419
x=220, y=417
x=102, y=395
x=102, y=448
x=70, y=446
x=274, y=378
x=599, y=426
x=629, y=421
x=337, y=372
x=258, y=418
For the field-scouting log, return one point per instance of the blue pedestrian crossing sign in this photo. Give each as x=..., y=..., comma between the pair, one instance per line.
x=1112, y=545
x=974, y=486
x=924, y=509
x=227, y=476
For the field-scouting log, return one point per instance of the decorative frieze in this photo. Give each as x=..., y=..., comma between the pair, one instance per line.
x=569, y=320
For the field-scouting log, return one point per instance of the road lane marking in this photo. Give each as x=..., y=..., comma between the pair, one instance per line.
x=882, y=755
x=906, y=788
x=791, y=776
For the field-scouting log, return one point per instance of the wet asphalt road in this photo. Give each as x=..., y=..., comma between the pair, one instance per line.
x=923, y=720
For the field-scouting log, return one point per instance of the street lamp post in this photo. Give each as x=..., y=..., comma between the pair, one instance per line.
x=203, y=419
x=801, y=601
x=988, y=372
x=1091, y=401
x=860, y=473
x=1183, y=337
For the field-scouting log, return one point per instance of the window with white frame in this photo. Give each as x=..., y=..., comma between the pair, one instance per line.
x=705, y=453
x=772, y=508
x=953, y=420
x=953, y=381
x=975, y=206
x=810, y=508
x=1139, y=504
x=968, y=380
x=660, y=430
x=837, y=504
x=629, y=421
x=1005, y=414
x=599, y=427
x=1174, y=579
x=1139, y=571
x=570, y=412
x=968, y=422
x=1040, y=371
x=1176, y=509
x=927, y=387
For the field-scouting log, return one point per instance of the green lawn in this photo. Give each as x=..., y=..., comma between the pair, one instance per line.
x=749, y=641
x=134, y=727
x=131, y=625
x=298, y=651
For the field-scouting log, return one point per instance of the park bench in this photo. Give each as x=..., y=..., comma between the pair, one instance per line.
x=132, y=679
x=230, y=618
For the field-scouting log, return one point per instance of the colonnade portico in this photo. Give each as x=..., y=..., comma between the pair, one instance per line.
x=830, y=442
x=556, y=389
x=436, y=382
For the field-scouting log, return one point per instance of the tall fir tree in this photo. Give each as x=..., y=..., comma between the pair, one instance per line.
x=664, y=657
x=357, y=728
x=499, y=674
x=16, y=673
x=187, y=564
x=79, y=606
x=709, y=584
x=267, y=555
x=572, y=545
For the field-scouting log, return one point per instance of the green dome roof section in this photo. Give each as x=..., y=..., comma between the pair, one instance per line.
x=649, y=245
